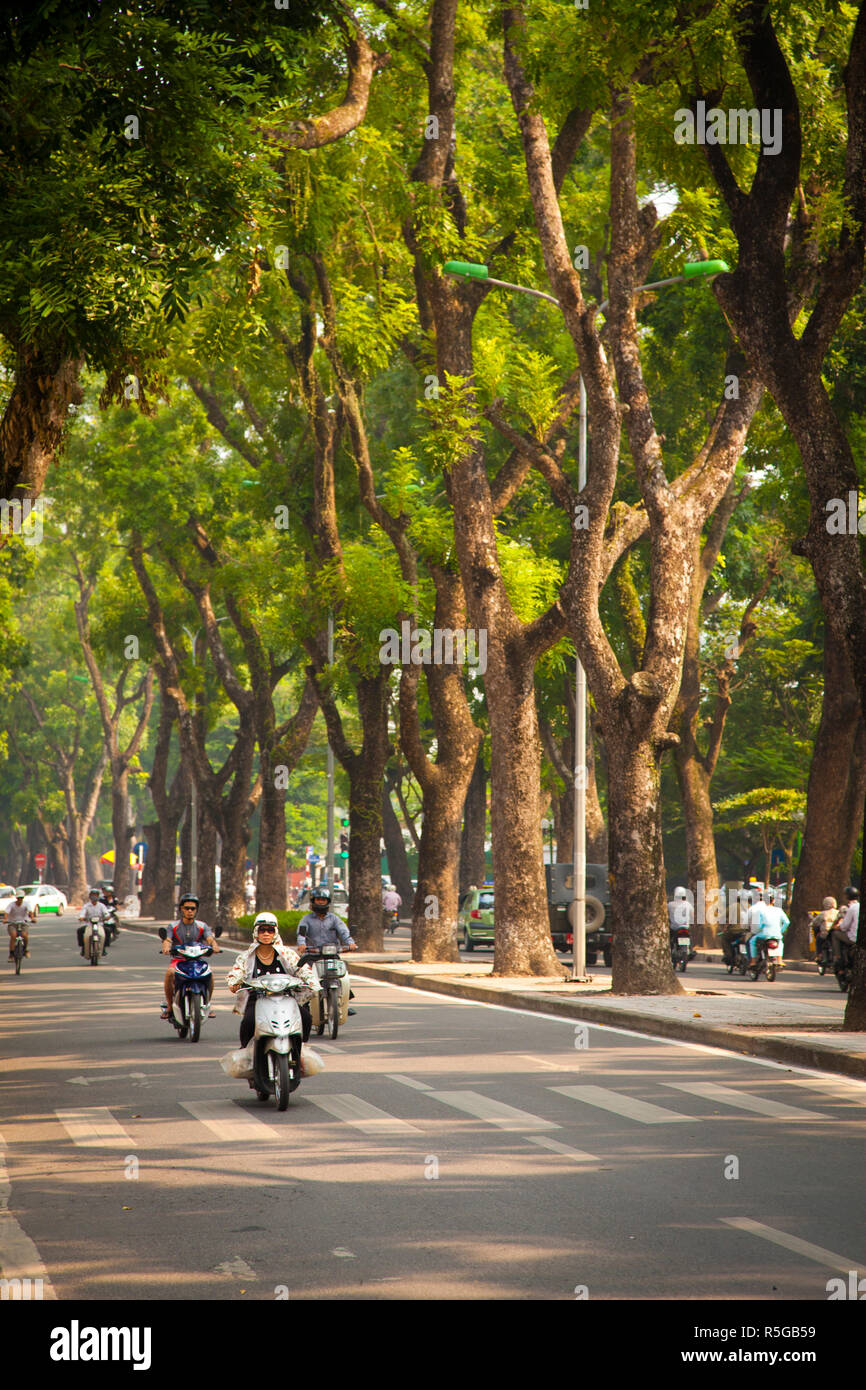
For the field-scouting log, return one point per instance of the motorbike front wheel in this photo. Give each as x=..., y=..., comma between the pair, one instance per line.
x=19, y=956
x=193, y=1013
x=334, y=1009
x=94, y=951
x=281, y=1080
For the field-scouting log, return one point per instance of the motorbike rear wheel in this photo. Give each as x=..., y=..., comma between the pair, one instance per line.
x=334, y=1010
x=281, y=1080
x=193, y=1007
x=771, y=972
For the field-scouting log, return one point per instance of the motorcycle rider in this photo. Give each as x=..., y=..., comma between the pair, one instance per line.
x=680, y=914
x=268, y=955
x=188, y=931
x=767, y=921
x=846, y=928
x=320, y=927
x=96, y=912
x=19, y=913
x=731, y=934
x=109, y=898
x=391, y=902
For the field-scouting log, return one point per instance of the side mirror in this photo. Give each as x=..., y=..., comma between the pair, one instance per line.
x=162, y=933
x=217, y=931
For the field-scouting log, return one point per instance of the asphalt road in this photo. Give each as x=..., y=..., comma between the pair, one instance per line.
x=449, y=1151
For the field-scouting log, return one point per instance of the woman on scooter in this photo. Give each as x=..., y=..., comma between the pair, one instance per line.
x=269, y=956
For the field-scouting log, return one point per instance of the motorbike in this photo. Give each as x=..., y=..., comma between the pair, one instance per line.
x=769, y=958
x=680, y=947
x=277, y=1039
x=389, y=919
x=111, y=926
x=95, y=942
x=736, y=952
x=330, y=1008
x=192, y=977
x=843, y=968
x=823, y=948
x=18, y=947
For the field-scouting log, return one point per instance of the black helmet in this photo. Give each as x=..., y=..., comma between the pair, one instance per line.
x=852, y=893
x=187, y=898
x=319, y=895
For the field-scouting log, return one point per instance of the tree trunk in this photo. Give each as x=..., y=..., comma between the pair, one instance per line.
x=366, y=779
x=837, y=784
x=271, y=879
x=700, y=842
x=472, y=857
x=434, y=910
x=151, y=832
x=122, y=831
x=641, y=954
x=395, y=848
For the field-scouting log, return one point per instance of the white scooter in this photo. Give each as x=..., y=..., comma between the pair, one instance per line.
x=277, y=1040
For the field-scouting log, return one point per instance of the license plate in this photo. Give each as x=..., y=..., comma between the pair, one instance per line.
x=775, y=951
x=683, y=941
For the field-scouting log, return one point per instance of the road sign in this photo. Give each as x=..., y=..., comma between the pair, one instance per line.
x=141, y=850
x=314, y=858
x=39, y=860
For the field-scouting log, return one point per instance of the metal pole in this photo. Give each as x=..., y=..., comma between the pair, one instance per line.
x=330, y=854
x=578, y=967
x=193, y=840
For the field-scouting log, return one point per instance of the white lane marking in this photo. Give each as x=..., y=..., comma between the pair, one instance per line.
x=739, y=1100
x=229, y=1123
x=799, y=1247
x=94, y=1127
x=493, y=1112
x=408, y=1081
x=324, y=1047
x=579, y=1155
x=841, y=1088
x=343, y=1254
x=703, y=1048
x=19, y=1257
x=361, y=1115
x=541, y=1062
x=627, y=1106
x=94, y=1080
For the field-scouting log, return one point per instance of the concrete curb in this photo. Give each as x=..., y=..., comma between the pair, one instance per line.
x=750, y=1044
x=742, y=1040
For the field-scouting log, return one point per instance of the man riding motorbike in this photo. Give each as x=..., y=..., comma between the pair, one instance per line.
x=321, y=927
x=94, y=912
x=15, y=914
x=188, y=931
x=767, y=921
x=845, y=930
x=269, y=956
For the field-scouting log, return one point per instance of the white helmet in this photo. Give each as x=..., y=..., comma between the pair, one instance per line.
x=769, y=895
x=680, y=893
x=265, y=919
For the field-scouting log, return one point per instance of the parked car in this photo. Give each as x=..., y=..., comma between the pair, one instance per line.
x=475, y=918
x=42, y=898
x=7, y=898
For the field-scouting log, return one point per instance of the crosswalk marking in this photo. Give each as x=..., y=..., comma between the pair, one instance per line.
x=579, y=1155
x=494, y=1112
x=361, y=1115
x=408, y=1081
x=229, y=1123
x=93, y=1127
x=800, y=1247
x=639, y=1110
x=741, y=1100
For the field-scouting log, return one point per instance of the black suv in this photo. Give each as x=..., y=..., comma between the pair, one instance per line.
x=560, y=895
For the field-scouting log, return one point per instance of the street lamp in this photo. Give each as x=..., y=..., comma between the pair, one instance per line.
x=692, y=270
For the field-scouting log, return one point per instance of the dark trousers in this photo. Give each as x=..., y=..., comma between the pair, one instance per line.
x=838, y=940
x=248, y=1022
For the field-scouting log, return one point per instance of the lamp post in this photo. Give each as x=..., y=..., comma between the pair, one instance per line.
x=692, y=270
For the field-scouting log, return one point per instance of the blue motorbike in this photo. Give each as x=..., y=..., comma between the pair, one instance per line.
x=192, y=982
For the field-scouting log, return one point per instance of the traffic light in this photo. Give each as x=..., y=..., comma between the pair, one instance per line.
x=344, y=838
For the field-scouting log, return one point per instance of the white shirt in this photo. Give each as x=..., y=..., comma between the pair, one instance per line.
x=93, y=912
x=851, y=921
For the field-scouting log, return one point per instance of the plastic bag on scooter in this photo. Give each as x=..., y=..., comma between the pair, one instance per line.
x=311, y=1062
x=239, y=1063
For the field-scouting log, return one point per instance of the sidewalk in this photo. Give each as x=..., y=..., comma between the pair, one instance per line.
x=781, y=1030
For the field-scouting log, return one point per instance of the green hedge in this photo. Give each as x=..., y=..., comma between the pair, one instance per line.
x=286, y=921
